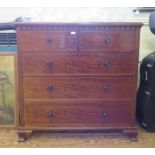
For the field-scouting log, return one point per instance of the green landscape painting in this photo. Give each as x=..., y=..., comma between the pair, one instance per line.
x=7, y=90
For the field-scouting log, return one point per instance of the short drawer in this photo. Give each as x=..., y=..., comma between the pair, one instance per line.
x=78, y=87
x=33, y=41
x=85, y=64
x=77, y=113
x=100, y=41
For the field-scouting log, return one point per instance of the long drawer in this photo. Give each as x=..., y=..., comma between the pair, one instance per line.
x=79, y=113
x=71, y=41
x=95, y=63
x=36, y=88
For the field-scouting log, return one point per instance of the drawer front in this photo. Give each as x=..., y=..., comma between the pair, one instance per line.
x=104, y=41
x=58, y=64
x=78, y=87
x=92, y=113
x=32, y=41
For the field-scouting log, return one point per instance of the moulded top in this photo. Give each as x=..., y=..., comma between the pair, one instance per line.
x=79, y=23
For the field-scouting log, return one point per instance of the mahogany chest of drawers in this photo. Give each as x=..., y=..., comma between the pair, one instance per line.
x=77, y=77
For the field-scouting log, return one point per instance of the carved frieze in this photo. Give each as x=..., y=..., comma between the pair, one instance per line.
x=76, y=27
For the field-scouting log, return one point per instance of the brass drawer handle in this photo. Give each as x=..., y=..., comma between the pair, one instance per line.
x=106, y=63
x=50, y=65
x=106, y=89
x=49, y=115
x=105, y=115
x=49, y=40
x=50, y=88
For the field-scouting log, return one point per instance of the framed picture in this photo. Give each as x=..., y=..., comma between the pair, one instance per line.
x=7, y=89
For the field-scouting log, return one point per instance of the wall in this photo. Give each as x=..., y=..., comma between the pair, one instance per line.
x=147, y=43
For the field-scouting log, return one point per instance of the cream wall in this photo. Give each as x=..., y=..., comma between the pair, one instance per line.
x=147, y=41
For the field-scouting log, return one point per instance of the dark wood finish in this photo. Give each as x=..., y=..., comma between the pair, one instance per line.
x=96, y=41
x=45, y=40
x=77, y=76
x=46, y=64
x=59, y=25
x=23, y=134
x=78, y=87
x=132, y=134
x=94, y=113
x=121, y=41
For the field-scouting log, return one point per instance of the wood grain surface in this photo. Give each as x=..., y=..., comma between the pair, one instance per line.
x=80, y=114
x=77, y=62
x=78, y=87
x=53, y=41
x=97, y=64
x=110, y=40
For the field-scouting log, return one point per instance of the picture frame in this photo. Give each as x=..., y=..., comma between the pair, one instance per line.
x=8, y=89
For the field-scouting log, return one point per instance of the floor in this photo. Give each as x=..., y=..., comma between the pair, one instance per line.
x=8, y=138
